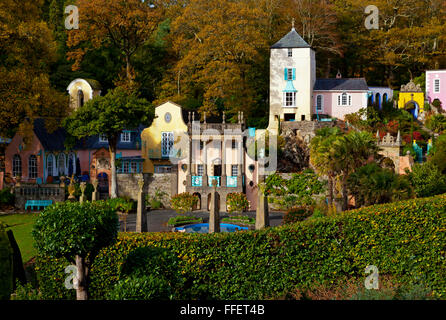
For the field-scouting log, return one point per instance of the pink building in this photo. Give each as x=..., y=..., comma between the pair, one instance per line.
x=436, y=86
x=338, y=97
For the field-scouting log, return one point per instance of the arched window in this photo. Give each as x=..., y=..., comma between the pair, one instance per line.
x=319, y=103
x=71, y=164
x=378, y=100
x=17, y=166
x=61, y=164
x=385, y=97
x=50, y=165
x=80, y=98
x=32, y=167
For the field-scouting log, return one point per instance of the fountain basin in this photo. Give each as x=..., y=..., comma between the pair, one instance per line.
x=204, y=228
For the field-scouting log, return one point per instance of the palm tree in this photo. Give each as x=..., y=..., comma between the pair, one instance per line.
x=322, y=157
x=353, y=151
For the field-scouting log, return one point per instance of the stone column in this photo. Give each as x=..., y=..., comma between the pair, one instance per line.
x=214, y=215
x=205, y=163
x=141, y=217
x=240, y=162
x=83, y=186
x=223, y=161
x=95, y=194
x=262, y=212
x=189, y=164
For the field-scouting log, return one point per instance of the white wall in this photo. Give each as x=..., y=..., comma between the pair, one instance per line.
x=304, y=62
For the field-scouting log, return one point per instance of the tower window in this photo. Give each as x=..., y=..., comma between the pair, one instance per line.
x=289, y=99
x=80, y=98
x=290, y=52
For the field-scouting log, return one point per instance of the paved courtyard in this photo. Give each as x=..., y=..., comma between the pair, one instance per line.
x=157, y=219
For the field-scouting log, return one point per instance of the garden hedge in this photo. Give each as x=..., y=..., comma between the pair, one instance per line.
x=6, y=264
x=405, y=240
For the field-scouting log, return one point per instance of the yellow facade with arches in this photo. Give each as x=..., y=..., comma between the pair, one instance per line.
x=406, y=97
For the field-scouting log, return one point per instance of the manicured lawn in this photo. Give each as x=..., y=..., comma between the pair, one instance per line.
x=22, y=225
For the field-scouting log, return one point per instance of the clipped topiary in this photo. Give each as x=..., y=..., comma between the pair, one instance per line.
x=76, y=231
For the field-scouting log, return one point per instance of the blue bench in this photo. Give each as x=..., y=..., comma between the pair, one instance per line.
x=37, y=203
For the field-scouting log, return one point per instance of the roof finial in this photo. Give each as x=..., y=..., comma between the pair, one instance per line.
x=292, y=23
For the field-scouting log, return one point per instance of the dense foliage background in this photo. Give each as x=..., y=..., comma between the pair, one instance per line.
x=206, y=55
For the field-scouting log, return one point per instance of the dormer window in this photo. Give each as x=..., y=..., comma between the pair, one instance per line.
x=290, y=53
x=103, y=138
x=126, y=136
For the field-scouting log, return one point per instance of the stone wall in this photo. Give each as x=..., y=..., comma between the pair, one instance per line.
x=24, y=193
x=166, y=182
x=306, y=129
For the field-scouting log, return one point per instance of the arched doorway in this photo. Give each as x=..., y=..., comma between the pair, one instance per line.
x=198, y=205
x=103, y=188
x=413, y=108
x=378, y=100
x=384, y=97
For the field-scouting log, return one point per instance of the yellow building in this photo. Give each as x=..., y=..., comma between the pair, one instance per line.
x=158, y=140
x=411, y=98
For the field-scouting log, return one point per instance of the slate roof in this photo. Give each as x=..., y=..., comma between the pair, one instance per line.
x=55, y=141
x=342, y=84
x=50, y=141
x=94, y=143
x=291, y=40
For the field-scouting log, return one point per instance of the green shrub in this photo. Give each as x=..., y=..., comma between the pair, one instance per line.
x=427, y=180
x=240, y=219
x=404, y=240
x=141, y=288
x=180, y=220
x=297, y=214
x=6, y=197
x=184, y=202
x=6, y=265
x=156, y=201
x=26, y=292
x=237, y=202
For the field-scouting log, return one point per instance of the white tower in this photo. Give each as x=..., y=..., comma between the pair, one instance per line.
x=292, y=79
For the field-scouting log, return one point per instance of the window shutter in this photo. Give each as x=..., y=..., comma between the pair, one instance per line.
x=286, y=74
x=339, y=100
x=349, y=100
x=294, y=73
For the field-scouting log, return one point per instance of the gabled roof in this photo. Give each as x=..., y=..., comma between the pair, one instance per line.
x=291, y=40
x=50, y=141
x=342, y=84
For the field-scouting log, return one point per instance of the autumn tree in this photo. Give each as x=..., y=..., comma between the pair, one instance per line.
x=216, y=44
x=122, y=25
x=110, y=115
x=27, y=49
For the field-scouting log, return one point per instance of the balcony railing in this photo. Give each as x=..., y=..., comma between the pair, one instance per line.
x=231, y=181
x=197, y=181
x=212, y=178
